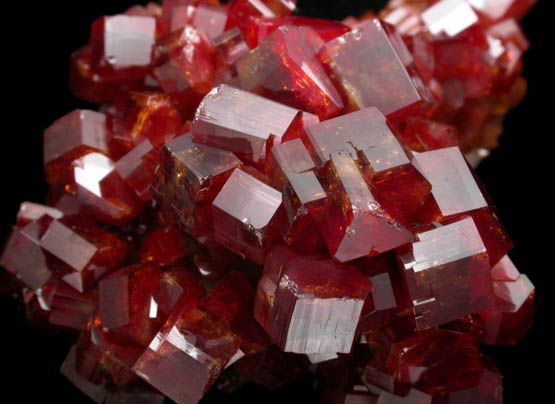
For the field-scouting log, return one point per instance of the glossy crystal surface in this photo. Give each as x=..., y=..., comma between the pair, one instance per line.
x=285, y=68
x=435, y=267
x=70, y=137
x=188, y=179
x=240, y=122
x=370, y=67
x=244, y=214
x=187, y=354
x=296, y=291
x=357, y=223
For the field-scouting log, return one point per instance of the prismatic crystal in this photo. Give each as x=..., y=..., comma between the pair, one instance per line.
x=260, y=195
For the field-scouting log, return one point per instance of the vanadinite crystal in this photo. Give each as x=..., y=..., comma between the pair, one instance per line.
x=260, y=195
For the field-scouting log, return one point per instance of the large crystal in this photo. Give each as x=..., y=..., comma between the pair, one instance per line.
x=296, y=292
x=241, y=122
x=447, y=273
x=285, y=68
x=372, y=68
x=245, y=214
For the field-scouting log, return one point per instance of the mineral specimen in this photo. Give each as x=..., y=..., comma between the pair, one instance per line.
x=260, y=195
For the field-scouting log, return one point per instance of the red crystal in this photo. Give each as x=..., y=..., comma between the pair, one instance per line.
x=272, y=368
x=123, y=43
x=257, y=30
x=454, y=189
x=365, y=136
x=79, y=133
x=126, y=307
x=141, y=116
x=164, y=247
x=395, y=88
x=304, y=197
x=421, y=135
x=177, y=13
x=188, y=179
x=206, y=16
x=440, y=355
x=80, y=253
x=499, y=10
x=294, y=291
x=241, y=10
x=513, y=314
x=187, y=354
x=66, y=306
x=137, y=167
x=435, y=267
x=336, y=155
x=102, y=360
x=29, y=212
x=175, y=282
x=285, y=68
x=245, y=214
x=449, y=17
x=230, y=46
x=95, y=392
x=358, y=224
x=23, y=258
x=185, y=62
x=240, y=122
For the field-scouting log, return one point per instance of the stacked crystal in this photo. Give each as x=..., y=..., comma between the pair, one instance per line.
x=260, y=195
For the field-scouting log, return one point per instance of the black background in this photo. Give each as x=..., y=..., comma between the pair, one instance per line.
x=38, y=38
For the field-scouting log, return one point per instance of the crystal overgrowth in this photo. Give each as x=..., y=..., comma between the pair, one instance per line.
x=260, y=195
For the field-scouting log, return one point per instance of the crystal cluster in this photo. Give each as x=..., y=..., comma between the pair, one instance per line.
x=263, y=195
